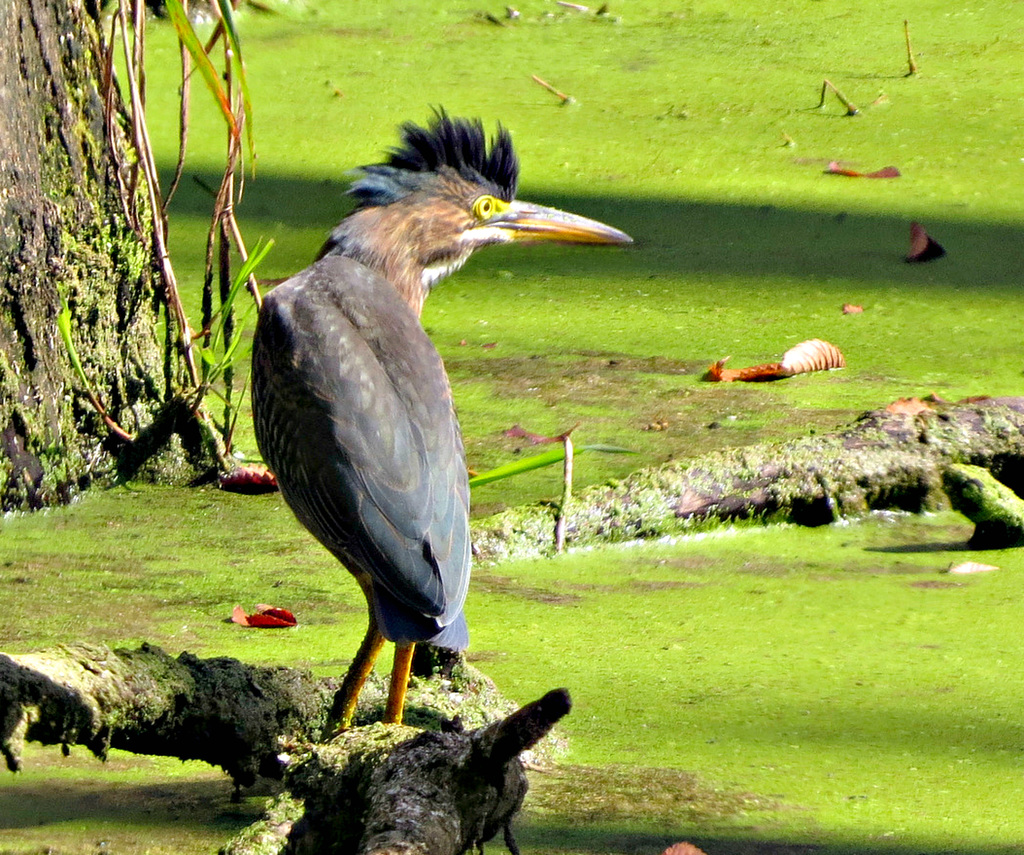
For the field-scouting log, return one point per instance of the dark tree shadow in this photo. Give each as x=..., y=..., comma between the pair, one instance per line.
x=679, y=236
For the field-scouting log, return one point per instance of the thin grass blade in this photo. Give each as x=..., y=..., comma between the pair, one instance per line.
x=538, y=461
x=188, y=37
x=228, y=16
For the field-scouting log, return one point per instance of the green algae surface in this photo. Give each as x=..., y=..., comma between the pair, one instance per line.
x=769, y=691
x=694, y=128
x=752, y=690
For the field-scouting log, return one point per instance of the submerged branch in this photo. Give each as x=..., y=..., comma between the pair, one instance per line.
x=883, y=461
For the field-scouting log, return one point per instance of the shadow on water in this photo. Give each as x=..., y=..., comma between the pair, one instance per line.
x=682, y=237
x=202, y=802
x=933, y=546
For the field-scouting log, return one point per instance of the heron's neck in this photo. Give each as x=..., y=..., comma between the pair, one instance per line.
x=381, y=238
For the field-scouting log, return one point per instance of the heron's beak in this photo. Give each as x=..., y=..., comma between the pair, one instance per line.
x=525, y=222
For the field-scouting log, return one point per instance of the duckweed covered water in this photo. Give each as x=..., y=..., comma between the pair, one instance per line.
x=777, y=691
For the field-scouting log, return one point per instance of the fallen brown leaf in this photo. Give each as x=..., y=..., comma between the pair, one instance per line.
x=909, y=406
x=518, y=432
x=850, y=309
x=922, y=246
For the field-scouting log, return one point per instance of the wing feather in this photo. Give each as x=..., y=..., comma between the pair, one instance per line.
x=353, y=413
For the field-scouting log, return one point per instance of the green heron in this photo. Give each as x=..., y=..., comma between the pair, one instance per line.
x=351, y=403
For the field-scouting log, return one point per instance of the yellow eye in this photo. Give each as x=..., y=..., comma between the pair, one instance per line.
x=486, y=207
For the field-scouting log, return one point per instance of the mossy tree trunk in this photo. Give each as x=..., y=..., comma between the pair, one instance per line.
x=68, y=229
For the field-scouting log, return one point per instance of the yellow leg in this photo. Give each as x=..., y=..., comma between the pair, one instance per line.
x=399, y=683
x=346, y=698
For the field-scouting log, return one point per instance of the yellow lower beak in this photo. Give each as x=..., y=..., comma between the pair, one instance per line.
x=522, y=221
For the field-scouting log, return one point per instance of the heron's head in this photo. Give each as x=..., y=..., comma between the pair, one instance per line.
x=442, y=194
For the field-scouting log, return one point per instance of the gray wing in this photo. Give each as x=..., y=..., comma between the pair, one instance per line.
x=353, y=414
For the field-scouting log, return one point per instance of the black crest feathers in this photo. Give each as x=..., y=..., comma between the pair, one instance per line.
x=456, y=144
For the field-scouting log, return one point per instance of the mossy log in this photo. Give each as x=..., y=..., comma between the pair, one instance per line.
x=221, y=711
x=883, y=461
x=376, y=790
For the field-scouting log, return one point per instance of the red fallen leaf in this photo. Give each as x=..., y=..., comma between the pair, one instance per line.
x=811, y=355
x=850, y=309
x=274, y=611
x=835, y=168
x=250, y=480
x=923, y=247
x=683, y=849
x=909, y=406
x=265, y=617
x=489, y=345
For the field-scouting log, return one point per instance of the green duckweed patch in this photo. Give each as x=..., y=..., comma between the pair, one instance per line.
x=750, y=690
x=760, y=691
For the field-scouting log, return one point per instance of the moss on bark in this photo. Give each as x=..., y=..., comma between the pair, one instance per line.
x=67, y=232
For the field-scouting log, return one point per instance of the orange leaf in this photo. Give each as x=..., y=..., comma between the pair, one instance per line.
x=850, y=309
x=834, y=168
x=922, y=246
x=908, y=406
x=719, y=374
x=250, y=480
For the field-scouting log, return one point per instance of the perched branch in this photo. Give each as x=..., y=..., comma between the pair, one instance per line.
x=851, y=108
x=388, y=790
x=911, y=62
